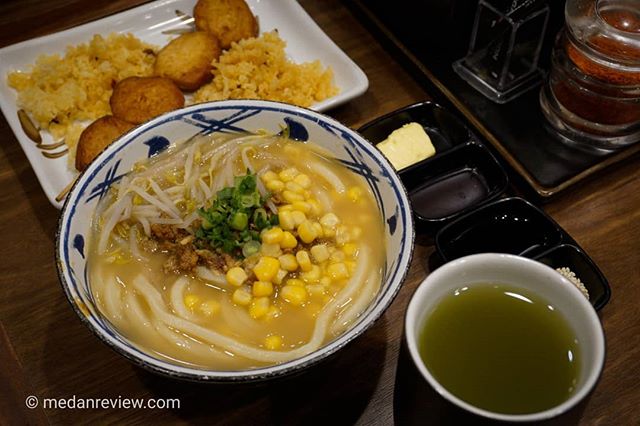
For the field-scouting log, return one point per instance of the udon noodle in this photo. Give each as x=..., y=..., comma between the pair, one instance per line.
x=236, y=252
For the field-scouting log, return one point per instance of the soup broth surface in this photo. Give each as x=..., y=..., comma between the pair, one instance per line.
x=210, y=326
x=501, y=349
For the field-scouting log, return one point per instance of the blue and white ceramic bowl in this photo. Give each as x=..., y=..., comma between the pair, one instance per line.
x=229, y=117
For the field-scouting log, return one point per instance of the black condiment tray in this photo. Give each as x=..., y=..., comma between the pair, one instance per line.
x=515, y=226
x=463, y=171
x=429, y=42
x=485, y=224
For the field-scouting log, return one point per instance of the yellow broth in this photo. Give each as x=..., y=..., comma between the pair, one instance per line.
x=212, y=306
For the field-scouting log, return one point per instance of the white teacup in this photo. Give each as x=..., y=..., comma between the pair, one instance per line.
x=518, y=272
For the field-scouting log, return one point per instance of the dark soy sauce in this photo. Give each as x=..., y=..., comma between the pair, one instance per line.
x=448, y=195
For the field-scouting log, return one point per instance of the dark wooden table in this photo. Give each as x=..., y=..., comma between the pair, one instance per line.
x=45, y=351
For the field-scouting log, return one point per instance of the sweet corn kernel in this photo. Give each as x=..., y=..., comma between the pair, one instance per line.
x=293, y=294
x=280, y=276
x=298, y=217
x=262, y=288
x=316, y=208
x=315, y=290
x=273, y=342
x=268, y=175
x=325, y=281
x=288, y=262
x=349, y=249
x=267, y=268
x=302, y=206
x=303, y=180
x=294, y=187
x=328, y=232
x=320, y=253
x=259, y=307
x=287, y=175
x=354, y=193
x=312, y=276
x=275, y=185
x=272, y=236
x=329, y=220
x=337, y=256
x=285, y=208
x=209, y=308
x=294, y=282
x=307, y=232
x=291, y=197
x=241, y=297
x=236, y=276
x=318, y=228
x=191, y=300
x=271, y=250
x=343, y=235
x=303, y=260
x=288, y=241
x=285, y=219
x=338, y=271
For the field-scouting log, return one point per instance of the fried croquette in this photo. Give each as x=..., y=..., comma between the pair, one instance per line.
x=97, y=136
x=138, y=99
x=228, y=20
x=187, y=59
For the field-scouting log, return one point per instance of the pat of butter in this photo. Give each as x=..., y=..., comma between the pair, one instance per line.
x=407, y=145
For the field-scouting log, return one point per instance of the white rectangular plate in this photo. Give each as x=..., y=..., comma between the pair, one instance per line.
x=305, y=42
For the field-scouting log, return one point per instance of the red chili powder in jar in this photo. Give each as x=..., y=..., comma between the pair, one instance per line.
x=611, y=103
x=623, y=20
x=602, y=72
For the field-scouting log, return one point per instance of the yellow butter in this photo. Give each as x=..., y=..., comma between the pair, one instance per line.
x=407, y=145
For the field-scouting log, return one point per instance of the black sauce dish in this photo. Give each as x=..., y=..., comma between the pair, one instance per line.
x=461, y=176
x=572, y=256
x=515, y=226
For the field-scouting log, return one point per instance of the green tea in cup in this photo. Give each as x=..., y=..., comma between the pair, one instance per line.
x=504, y=338
x=501, y=348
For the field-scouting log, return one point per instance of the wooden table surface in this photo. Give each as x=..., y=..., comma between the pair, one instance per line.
x=45, y=351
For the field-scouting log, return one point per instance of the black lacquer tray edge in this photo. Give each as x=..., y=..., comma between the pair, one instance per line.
x=444, y=96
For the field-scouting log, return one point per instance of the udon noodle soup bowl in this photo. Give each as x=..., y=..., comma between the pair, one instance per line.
x=74, y=237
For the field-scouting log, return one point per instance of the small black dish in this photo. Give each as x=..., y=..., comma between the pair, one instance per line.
x=449, y=185
x=463, y=174
x=574, y=258
x=515, y=226
x=444, y=129
x=510, y=225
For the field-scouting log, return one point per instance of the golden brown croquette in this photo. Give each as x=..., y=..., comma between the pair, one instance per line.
x=138, y=99
x=97, y=136
x=187, y=59
x=228, y=20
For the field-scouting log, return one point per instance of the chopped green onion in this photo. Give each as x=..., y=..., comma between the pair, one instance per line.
x=235, y=218
x=239, y=221
x=250, y=248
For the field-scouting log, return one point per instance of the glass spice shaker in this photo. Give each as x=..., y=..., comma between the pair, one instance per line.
x=592, y=96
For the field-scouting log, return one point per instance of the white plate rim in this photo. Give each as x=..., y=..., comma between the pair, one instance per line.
x=55, y=174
